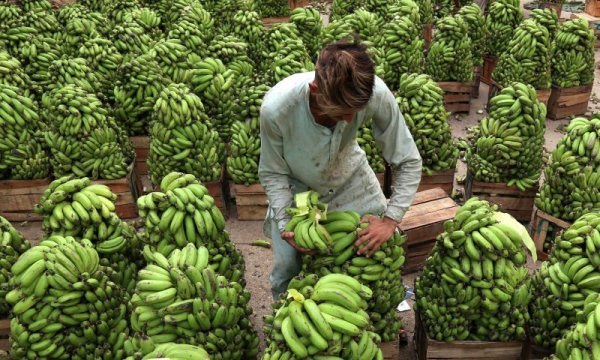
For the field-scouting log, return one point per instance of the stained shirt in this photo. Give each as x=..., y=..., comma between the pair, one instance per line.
x=298, y=154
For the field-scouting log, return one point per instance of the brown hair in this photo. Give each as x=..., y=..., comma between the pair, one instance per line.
x=345, y=76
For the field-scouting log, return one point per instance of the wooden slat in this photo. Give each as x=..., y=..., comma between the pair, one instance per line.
x=127, y=211
x=252, y=199
x=416, y=221
x=562, y=113
x=21, y=216
x=19, y=202
x=5, y=344
x=251, y=212
x=23, y=184
x=501, y=189
x=452, y=98
x=140, y=142
x=249, y=189
x=429, y=207
x=455, y=86
x=414, y=264
x=438, y=177
x=428, y=195
x=511, y=203
x=420, y=248
x=458, y=107
x=268, y=22
x=489, y=64
x=4, y=327
x=571, y=100
x=446, y=187
x=561, y=223
x=424, y=233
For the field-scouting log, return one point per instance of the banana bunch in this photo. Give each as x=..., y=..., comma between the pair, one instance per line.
x=581, y=341
x=148, y=19
x=223, y=12
x=247, y=26
x=104, y=59
x=38, y=53
x=367, y=24
x=181, y=299
x=13, y=38
x=76, y=207
x=119, y=11
x=190, y=35
x=21, y=152
x=73, y=71
x=12, y=245
x=366, y=141
x=182, y=138
x=10, y=15
x=573, y=54
x=548, y=19
x=215, y=84
x=425, y=11
x=474, y=285
x=402, y=49
x=44, y=21
x=450, y=57
x=421, y=102
x=502, y=19
x=510, y=142
x=250, y=102
x=131, y=38
x=196, y=14
x=292, y=58
x=171, y=55
x=138, y=85
x=442, y=8
x=562, y=284
x=329, y=321
x=12, y=73
x=71, y=11
x=475, y=20
x=63, y=304
x=571, y=179
x=177, y=352
x=244, y=154
x=341, y=8
x=29, y=5
x=272, y=8
x=228, y=49
x=527, y=57
x=77, y=31
x=80, y=136
x=310, y=25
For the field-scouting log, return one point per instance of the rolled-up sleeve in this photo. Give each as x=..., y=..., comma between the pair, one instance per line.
x=273, y=171
x=399, y=150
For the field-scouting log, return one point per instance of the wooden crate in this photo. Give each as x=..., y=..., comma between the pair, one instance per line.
x=511, y=199
x=545, y=226
x=251, y=202
x=427, y=35
x=569, y=101
x=126, y=190
x=4, y=335
x=543, y=95
x=489, y=64
x=298, y=3
x=141, y=145
x=422, y=223
x=555, y=6
x=592, y=7
x=19, y=198
x=457, y=96
x=218, y=190
x=438, y=179
x=428, y=349
x=391, y=349
x=476, y=82
x=268, y=22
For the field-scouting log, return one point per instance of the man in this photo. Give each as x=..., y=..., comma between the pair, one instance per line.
x=308, y=127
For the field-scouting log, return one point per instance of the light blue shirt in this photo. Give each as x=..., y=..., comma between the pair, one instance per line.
x=297, y=154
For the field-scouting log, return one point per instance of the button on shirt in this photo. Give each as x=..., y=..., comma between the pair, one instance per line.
x=298, y=154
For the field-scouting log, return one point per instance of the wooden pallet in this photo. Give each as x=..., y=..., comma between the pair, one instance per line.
x=438, y=179
x=543, y=95
x=422, y=223
x=569, y=101
x=251, y=202
x=127, y=193
x=428, y=349
x=4, y=335
x=476, y=82
x=511, y=199
x=545, y=226
x=19, y=198
x=489, y=64
x=457, y=96
x=391, y=349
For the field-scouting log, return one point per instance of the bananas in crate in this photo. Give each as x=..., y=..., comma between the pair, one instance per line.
x=12, y=245
x=581, y=341
x=22, y=155
x=573, y=54
x=449, y=57
x=421, y=102
x=310, y=26
x=64, y=305
x=272, y=8
x=324, y=318
x=181, y=299
x=139, y=82
x=502, y=19
x=182, y=138
x=366, y=141
x=76, y=207
x=244, y=154
x=402, y=50
x=527, y=57
x=474, y=285
x=548, y=19
x=80, y=137
x=562, y=284
x=509, y=146
x=571, y=186
x=475, y=20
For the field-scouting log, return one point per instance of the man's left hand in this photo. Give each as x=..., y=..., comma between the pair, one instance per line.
x=378, y=232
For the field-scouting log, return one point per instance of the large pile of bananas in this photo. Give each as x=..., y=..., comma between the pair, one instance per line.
x=183, y=212
x=402, y=50
x=191, y=35
x=73, y=71
x=171, y=56
x=450, y=57
x=11, y=72
x=421, y=102
x=22, y=155
x=64, y=305
x=81, y=136
x=37, y=53
x=573, y=54
x=405, y=9
x=272, y=8
x=329, y=320
x=582, y=341
x=562, y=284
x=527, y=57
x=248, y=27
x=10, y=15
x=244, y=154
x=182, y=299
x=12, y=245
x=502, y=19
x=510, y=142
x=548, y=19
x=287, y=54
x=104, y=59
x=572, y=179
x=475, y=20
x=310, y=26
x=366, y=141
x=182, y=138
x=75, y=207
x=474, y=285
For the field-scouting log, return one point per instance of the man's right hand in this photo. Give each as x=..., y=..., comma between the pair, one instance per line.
x=289, y=237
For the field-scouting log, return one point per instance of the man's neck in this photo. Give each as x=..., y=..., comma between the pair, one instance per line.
x=320, y=117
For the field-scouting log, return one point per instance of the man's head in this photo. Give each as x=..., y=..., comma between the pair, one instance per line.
x=344, y=79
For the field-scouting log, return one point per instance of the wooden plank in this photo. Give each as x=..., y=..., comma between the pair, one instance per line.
x=429, y=207
x=390, y=349
x=458, y=107
x=446, y=187
x=489, y=64
x=417, y=221
x=251, y=212
x=252, y=199
x=574, y=110
x=249, y=189
x=268, y=22
x=455, y=86
x=501, y=189
x=19, y=202
x=428, y=195
x=127, y=211
x=142, y=142
x=511, y=203
x=23, y=184
x=561, y=223
x=21, y=216
x=425, y=233
x=451, y=98
x=5, y=344
x=4, y=327
x=571, y=100
x=421, y=248
x=438, y=177
x=414, y=264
